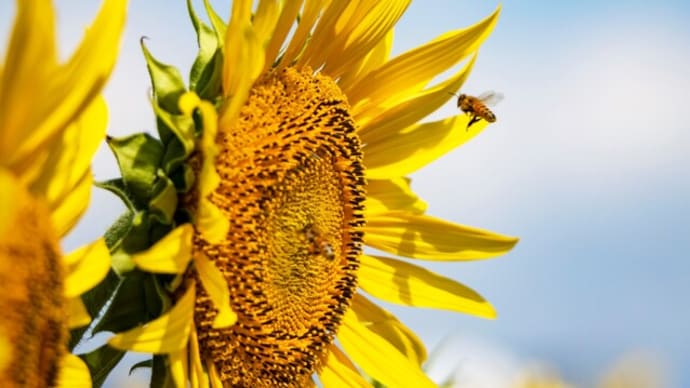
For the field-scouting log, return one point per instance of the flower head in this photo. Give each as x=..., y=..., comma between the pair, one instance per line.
x=52, y=119
x=290, y=156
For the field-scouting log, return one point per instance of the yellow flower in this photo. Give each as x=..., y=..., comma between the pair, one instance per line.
x=299, y=152
x=52, y=119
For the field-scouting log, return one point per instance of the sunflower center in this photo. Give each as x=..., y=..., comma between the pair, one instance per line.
x=292, y=187
x=33, y=313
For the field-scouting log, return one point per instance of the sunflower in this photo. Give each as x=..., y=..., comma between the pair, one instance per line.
x=52, y=119
x=285, y=156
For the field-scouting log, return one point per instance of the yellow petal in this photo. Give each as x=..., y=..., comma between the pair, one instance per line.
x=199, y=376
x=377, y=357
x=179, y=366
x=360, y=34
x=379, y=125
x=265, y=18
x=287, y=18
x=167, y=334
x=244, y=60
x=78, y=316
x=375, y=58
x=30, y=59
x=88, y=265
x=65, y=94
x=213, y=376
x=9, y=190
x=406, y=152
x=409, y=72
x=347, y=32
x=72, y=207
x=338, y=371
x=210, y=222
x=170, y=254
x=216, y=287
x=390, y=328
x=67, y=161
x=426, y=237
x=392, y=194
x=403, y=283
x=73, y=373
x=310, y=14
x=326, y=31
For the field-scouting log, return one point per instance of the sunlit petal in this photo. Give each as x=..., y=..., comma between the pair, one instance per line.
x=338, y=371
x=88, y=265
x=391, y=195
x=403, y=283
x=426, y=237
x=366, y=348
x=73, y=373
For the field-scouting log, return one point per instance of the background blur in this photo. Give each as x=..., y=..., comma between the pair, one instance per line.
x=589, y=163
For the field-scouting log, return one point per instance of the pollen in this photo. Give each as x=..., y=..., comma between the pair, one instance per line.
x=33, y=313
x=292, y=187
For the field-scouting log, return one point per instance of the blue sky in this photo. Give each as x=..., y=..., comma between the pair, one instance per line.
x=589, y=163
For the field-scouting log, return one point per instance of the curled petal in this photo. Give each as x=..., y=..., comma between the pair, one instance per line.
x=170, y=254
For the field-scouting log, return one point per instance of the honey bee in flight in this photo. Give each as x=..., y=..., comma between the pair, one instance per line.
x=478, y=107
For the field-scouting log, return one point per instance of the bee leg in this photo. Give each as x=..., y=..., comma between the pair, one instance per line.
x=473, y=120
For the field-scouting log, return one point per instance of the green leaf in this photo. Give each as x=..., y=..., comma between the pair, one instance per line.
x=167, y=81
x=136, y=301
x=164, y=202
x=138, y=156
x=101, y=362
x=141, y=364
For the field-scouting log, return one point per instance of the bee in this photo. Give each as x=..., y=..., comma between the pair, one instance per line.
x=477, y=107
x=318, y=244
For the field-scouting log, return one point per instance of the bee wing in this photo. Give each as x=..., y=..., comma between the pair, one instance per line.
x=490, y=98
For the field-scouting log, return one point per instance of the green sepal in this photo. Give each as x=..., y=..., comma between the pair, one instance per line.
x=167, y=81
x=160, y=372
x=209, y=85
x=118, y=230
x=101, y=362
x=141, y=364
x=164, y=202
x=206, y=72
x=137, y=300
x=117, y=186
x=183, y=177
x=138, y=156
x=136, y=239
x=94, y=300
x=217, y=22
x=173, y=127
